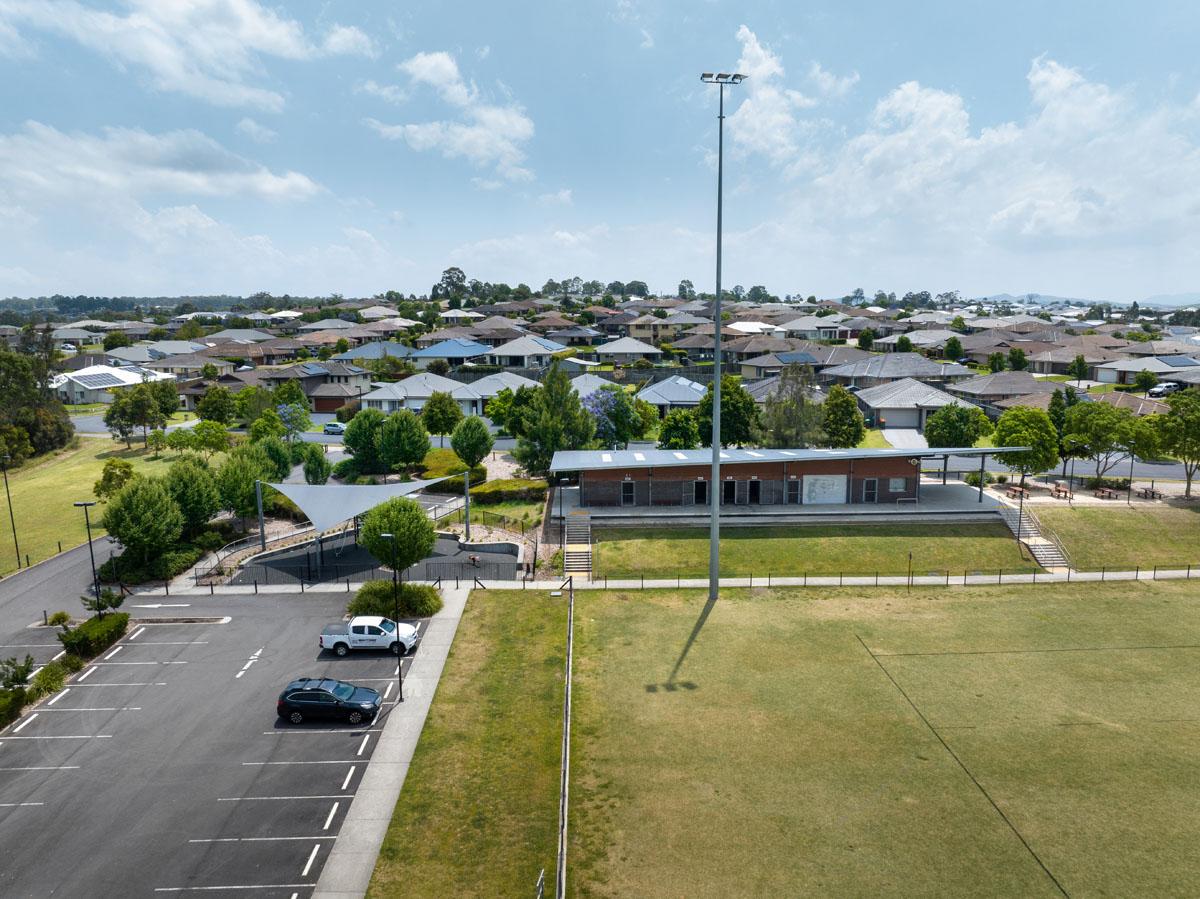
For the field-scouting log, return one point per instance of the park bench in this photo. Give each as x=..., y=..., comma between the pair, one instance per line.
x=1106, y=493
x=1149, y=493
x=1016, y=492
x=1060, y=491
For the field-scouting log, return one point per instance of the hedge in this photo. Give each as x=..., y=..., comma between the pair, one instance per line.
x=164, y=567
x=377, y=598
x=11, y=703
x=508, y=490
x=95, y=635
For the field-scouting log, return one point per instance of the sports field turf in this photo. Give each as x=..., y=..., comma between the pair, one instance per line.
x=993, y=741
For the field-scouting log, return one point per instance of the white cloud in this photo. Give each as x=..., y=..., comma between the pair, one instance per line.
x=206, y=49
x=392, y=93
x=828, y=84
x=765, y=121
x=40, y=161
x=557, y=198
x=487, y=135
x=487, y=183
x=647, y=40
x=258, y=133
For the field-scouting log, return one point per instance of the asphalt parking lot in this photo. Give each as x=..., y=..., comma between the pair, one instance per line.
x=162, y=769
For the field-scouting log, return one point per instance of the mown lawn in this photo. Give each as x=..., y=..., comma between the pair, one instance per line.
x=815, y=549
x=874, y=439
x=478, y=815
x=1117, y=536
x=44, y=489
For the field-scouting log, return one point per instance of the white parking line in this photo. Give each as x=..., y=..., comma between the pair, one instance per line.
x=117, y=708
x=172, y=642
x=363, y=744
x=58, y=655
x=114, y=652
x=240, y=886
x=23, y=804
x=64, y=692
x=312, y=857
x=44, y=768
x=349, y=774
x=127, y=684
x=67, y=737
x=24, y=724
x=317, y=733
x=137, y=633
x=267, y=798
x=253, y=658
x=323, y=762
x=388, y=691
x=329, y=820
x=89, y=673
x=140, y=663
x=258, y=839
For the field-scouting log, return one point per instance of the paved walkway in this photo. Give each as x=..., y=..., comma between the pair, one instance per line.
x=348, y=871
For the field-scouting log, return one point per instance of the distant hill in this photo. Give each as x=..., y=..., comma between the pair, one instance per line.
x=1172, y=299
x=1043, y=298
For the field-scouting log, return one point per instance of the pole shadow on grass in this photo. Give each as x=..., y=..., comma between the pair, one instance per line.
x=672, y=684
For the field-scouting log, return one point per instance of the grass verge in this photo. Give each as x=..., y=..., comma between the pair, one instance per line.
x=1117, y=536
x=816, y=549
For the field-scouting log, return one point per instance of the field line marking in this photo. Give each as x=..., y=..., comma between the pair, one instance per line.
x=44, y=768
x=322, y=762
x=239, y=886
x=258, y=839
x=265, y=798
x=1001, y=652
x=986, y=795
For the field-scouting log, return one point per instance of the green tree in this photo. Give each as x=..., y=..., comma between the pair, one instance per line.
x=679, y=430
x=958, y=324
x=956, y=426
x=209, y=372
x=251, y=402
x=471, y=442
x=617, y=421
x=866, y=339
x=194, y=490
x=1078, y=369
x=996, y=362
x=441, y=415
x=953, y=349
x=555, y=420
x=317, y=467
x=362, y=440
x=208, y=437
x=1100, y=432
x=647, y=417
x=1179, y=432
x=1016, y=359
x=268, y=424
x=438, y=367
x=790, y=417
x=165, y=395
x=295, y=419
x=235, y=483
x=113, y=477
x=115, y=340
x=182, y=439
x=402, y=441
x=843, y=423
x=289, y=392
x=118, y=417
x=157, y=441
x=739, y=414
x=1025, y=426
x=144, y=518
x=903, y=344
x=217, y=404
x=412, y=533
x=279, y=459
x=342, y=345
x=1144, y=380
x=499, y=407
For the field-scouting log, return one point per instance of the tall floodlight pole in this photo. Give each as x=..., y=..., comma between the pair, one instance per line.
x=714, y=531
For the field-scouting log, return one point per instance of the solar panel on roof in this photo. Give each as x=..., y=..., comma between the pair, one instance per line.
x=99, y=381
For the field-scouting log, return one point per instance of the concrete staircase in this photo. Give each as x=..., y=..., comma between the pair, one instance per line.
x=577, y=556
x=1048, y=552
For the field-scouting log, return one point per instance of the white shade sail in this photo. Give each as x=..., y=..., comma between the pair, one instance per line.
x=328, y=505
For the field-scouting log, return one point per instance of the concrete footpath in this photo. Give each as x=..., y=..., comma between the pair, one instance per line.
x=347, y=873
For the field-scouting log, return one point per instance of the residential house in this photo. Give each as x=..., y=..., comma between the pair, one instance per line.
x=413, y=393
x=454, y=352
x=987, y=390
x=626, y=350
x=673, y=393
x=892, y=367
x=525, y=352
x=1124, y=371
x=189, y=365
x=95, y=384
x=906, y=403
x=587, y=384
x=376, y=350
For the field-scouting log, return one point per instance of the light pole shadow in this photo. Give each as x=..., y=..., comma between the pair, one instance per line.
x=687, y=646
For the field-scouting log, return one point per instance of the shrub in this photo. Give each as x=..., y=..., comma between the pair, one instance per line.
x=119, y=569
x=1001, y=479
x=72, y=663
x=377, y=598
x=58, y=619
x=51, y=679
x=346, y=470
x=95, y=635
x=11, y=703
x=509, y=490
x=972, y=478
x=210, y=541
x=1110, y=483
x=346, y=412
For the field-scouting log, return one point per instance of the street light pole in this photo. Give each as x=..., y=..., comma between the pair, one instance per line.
x=714, y=531
x=87, y=521
x=396, y=618
x=11, y=517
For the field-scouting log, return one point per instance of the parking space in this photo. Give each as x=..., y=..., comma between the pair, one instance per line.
x=162, y=768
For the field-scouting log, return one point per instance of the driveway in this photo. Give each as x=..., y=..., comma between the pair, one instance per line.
x=905, y=438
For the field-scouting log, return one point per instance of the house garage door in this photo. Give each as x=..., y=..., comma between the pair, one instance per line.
x=899, y=418
x=824, y=489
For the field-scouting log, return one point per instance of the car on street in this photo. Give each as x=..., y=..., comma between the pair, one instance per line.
x=334, y=427
x=1166, y=388
x=324, y=699
x=369, y=632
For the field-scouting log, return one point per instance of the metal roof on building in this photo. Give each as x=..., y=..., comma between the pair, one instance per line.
x=598, y=460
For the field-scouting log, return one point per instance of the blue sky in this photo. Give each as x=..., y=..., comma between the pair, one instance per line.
x=229, y=146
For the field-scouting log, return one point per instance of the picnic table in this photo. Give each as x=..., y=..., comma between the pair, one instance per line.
x=1106, y=493
x=1061, y=491
x=1149, y=493
x=1015, y=491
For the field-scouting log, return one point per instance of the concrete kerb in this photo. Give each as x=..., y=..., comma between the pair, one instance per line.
x=348, y=870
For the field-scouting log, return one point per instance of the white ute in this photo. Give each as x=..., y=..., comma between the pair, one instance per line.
x=369, y=632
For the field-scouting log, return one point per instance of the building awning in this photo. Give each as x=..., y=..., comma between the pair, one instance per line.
x=595, y=460
x=328, y=505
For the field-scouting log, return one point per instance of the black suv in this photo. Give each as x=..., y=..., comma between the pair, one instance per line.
x=317, y=698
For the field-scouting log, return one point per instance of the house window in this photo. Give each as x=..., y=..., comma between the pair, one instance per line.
x=897, y=485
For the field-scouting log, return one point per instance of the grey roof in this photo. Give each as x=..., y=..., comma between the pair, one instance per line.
x=596, y=460
x=423, y=385
x=175, y=347
x=896, y=366
x=523, y=347
x=907, y=393
x=676, y=391
x=377, y=349
x=627, y=346
x=488, y=386
x=587, y=384
x=328, y=324
x=1001, y=383
x=249, y=335
x=139, y=353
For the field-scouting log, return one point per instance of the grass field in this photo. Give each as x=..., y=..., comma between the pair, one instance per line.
x=990, y=741
x=1117, y=536
x=816, y=549
x=44, y=489
x=479, y=811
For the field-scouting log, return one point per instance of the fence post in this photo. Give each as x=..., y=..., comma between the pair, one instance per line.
x=1154, y=576
x=1137, y=571
x=1000, y=576
x=805, y=578
x=1103, y=569
x=60, y=546
x=166, y=588
x=301, y=585
x=947, y=577
x=211, y=589
x=256, y=586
